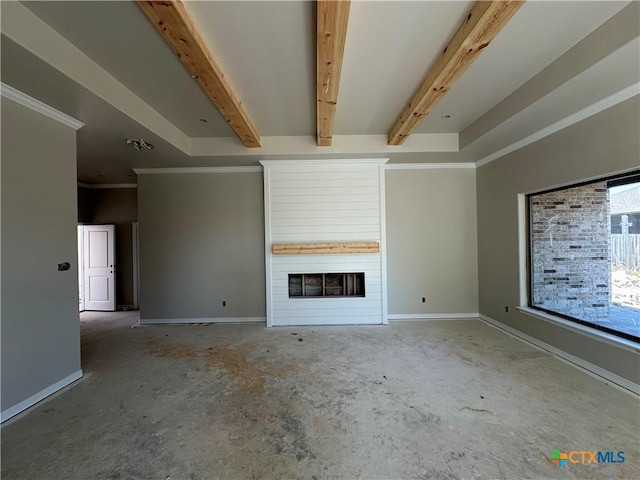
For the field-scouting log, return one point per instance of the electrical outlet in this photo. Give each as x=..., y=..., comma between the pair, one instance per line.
x=424, y=299
x=224, y=303
x=506, y=309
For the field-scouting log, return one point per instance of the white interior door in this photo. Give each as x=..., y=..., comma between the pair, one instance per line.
x=99, y=268
x=81, y=267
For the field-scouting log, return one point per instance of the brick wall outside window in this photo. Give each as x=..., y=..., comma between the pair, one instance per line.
x=570, y=251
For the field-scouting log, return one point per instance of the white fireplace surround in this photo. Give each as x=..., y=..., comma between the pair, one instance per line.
x=325, y=201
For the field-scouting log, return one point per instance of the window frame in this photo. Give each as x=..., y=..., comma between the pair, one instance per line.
x=612, y=181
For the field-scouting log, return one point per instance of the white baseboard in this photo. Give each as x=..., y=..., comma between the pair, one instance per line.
x=595, y=371
x=434, y=316
x=170, y=321
x=37, y=397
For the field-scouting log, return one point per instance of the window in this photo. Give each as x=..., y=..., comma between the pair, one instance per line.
x=584, y=254
x=326, y=285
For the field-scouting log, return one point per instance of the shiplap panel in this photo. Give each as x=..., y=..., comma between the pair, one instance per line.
x=372, y=192
x=372, y=269
x=317, y=266
x=323, y=214
x=318, y=222
x=318, y=203
x=317, y=198
x=347, y=179
x=333, y=262
x=367, y=230
x=338, y=303
x=326, y=207
x=326, y=182
x=337, y=171
x=280, y=274
x=312, y=320
x=326, y=237
x=337, y=312
x=327, y=303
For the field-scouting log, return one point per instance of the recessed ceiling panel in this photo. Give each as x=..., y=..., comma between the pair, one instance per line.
x=593, y=85
x=120, y=38
x=389, y=49
x=267, y=51
x=538, y=34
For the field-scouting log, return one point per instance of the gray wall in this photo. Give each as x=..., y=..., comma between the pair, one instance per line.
x=40, y=325
x=118, y=206
x=201, y=243
x=600, y=145
x=431, y=241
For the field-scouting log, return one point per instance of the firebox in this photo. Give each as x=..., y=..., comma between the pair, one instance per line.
x=326, y=285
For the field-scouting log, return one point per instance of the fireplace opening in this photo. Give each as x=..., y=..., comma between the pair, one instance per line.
x=326, y=285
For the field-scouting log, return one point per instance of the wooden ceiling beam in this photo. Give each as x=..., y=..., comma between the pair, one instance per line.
x=332, y=20
x=174, y=23
x=479, y=28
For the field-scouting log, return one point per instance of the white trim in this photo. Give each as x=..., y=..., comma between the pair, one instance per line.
x=163, y=321
x=585, y=330
x=267, y=244
x=80, y=230
x=162, y=171
x=586, y=112
x=597, y=372
x=107, y=185
x=38, y=397
x=38, y=106
x=383, y=245
x=523, y=240
x=434, y=316
x=325, y=162
x=428, y=166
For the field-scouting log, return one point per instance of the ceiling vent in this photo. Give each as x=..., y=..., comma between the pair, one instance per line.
x=140, y=144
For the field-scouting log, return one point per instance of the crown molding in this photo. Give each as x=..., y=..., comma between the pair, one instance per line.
x=429, y=166
x=107, y=185
x=165, y=171
x=324, y=162
x=38, y=106
x=597, y=107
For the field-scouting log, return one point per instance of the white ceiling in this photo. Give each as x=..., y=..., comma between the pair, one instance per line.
x=267, y=51
x=118, y=36
x=537, y=34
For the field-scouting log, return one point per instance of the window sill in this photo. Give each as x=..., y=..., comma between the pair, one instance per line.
x=605, y=337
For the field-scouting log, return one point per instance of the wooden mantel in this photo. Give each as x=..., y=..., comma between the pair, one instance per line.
x=325, y=248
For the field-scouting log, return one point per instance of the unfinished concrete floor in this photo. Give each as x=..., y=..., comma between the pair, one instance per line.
x=433, y=400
